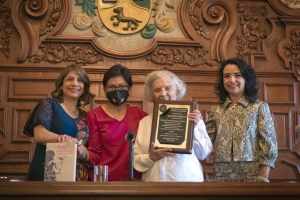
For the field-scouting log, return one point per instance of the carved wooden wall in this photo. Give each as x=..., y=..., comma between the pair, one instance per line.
x=189, y=37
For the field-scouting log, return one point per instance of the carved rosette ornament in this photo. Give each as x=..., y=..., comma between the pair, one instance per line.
x=250, y=20
x=5, y=27
x=191, y=58
x=59, y=53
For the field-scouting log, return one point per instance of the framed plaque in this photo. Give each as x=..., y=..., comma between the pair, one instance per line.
x=171, y=127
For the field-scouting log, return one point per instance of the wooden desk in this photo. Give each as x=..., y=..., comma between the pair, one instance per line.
x=150, y=190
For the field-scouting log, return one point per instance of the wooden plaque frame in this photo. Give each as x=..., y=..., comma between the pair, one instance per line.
x=171, y=127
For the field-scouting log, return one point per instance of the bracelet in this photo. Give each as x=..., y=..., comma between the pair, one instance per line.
x=262, y=179
x=79, y=143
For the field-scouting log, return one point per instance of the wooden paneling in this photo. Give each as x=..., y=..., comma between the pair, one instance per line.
x=29, y=88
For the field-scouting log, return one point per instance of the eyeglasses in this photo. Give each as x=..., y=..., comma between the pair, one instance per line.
x=119, y=87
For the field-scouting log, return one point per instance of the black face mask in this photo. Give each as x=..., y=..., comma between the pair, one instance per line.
x=117, y=97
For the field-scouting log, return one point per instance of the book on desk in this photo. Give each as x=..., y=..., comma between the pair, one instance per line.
x=60, y=162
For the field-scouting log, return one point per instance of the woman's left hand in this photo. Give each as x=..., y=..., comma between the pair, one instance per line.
x=195, y=116
x=81, y=152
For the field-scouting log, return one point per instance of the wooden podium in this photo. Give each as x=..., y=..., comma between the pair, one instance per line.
x=148, y=190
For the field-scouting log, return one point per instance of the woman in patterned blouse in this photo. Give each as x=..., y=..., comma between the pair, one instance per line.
x=241, y=127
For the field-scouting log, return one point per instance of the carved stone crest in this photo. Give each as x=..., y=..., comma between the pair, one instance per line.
x=294, y=4
x=125, y=16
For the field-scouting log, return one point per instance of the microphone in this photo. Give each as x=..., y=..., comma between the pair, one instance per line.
x=129, y=137
x=297, y=129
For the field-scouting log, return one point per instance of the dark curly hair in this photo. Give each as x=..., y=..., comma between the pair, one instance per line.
x=247, y=72
x=85, y=98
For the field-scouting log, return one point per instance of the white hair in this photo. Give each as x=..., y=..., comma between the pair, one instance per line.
x=151, y=77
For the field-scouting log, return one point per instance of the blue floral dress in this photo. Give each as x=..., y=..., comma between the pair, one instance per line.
x=52, y=116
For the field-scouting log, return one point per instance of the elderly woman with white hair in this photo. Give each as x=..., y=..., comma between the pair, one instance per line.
x=161, y=164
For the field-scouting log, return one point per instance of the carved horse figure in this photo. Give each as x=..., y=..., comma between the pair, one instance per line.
x=131, y=22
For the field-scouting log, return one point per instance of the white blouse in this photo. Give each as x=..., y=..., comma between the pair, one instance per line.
x=181, y=167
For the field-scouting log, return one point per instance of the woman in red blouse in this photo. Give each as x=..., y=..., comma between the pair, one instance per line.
x=109, y=123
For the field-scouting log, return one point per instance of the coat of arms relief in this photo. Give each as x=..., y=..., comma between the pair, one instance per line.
x=126, y=24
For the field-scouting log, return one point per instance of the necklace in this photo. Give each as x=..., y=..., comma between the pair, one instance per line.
x=73, y=113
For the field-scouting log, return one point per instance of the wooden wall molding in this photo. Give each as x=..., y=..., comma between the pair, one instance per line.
x=14, y=156
x=284, y=132
x=20, y=117
x=1, y=89
x=4, y=120
x=296, y=148
x=287, y=167
x=279, y=93
x=28, y=89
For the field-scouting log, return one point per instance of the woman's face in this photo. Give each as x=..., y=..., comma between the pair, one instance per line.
x=73, y=86
x=164, y=89
x=114, y=83
x=233, y=81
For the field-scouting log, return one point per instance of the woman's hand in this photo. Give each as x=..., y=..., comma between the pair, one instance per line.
x=66, y=138
x=157, y=154
x=82, y=153
x=43, y=136
x=195, y=116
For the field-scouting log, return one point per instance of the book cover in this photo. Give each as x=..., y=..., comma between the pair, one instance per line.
x=60, y=162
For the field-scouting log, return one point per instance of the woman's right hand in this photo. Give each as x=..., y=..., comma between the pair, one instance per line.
x=66, y=138
x=157, y=154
